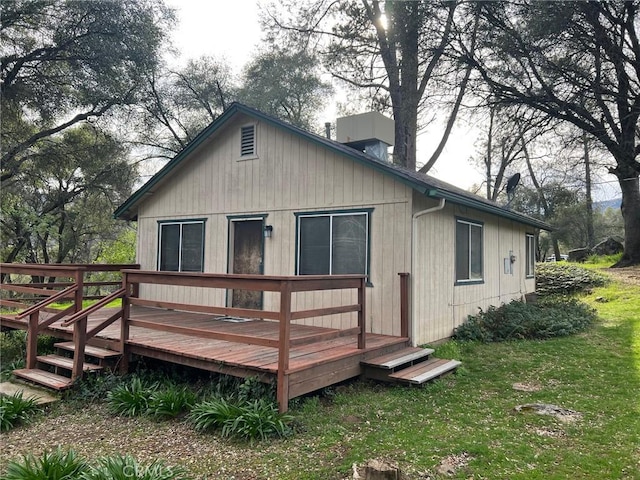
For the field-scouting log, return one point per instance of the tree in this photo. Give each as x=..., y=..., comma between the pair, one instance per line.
x=578, y=62
x=58, y=212
x=66, y=62
x=177, y=104
x=393, y=50
x=286, y=85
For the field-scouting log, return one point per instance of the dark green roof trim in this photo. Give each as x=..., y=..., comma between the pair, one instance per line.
x=423, y=184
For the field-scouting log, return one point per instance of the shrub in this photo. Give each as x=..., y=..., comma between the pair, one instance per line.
x=57, y=465
x=131, y=399
x=171, y=401
x=14, y=410
x=127, y=468
x=552, y=317
x=253, y=420
x=563, y=278
x=13, y=346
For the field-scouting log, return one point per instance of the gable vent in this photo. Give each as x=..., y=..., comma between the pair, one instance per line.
x=248, y=140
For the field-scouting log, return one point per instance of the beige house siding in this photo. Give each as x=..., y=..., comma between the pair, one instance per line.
x=438, y=304
x=288, y=175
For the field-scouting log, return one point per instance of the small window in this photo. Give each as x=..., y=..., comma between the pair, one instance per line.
x=181, y=246
x=333, y=244
x=248, y=141
x=531, y=255
x=469, y=251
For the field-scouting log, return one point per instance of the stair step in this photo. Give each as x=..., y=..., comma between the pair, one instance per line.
x=401, y=357
x=425, y=371
x=41, y=377
x=66, y=362
x=101, y=353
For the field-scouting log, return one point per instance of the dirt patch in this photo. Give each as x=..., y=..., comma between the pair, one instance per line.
x=452, y=463
x=628, y=275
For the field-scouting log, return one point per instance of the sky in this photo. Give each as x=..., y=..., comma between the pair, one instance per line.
x=230, y=29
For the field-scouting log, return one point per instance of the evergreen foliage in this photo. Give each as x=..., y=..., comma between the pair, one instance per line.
x=564, y=278
x=15, y=410
x=551, y=317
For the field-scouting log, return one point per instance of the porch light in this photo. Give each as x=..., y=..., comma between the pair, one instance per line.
x=268, y=231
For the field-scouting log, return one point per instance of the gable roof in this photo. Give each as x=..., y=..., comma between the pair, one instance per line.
x=425, y=184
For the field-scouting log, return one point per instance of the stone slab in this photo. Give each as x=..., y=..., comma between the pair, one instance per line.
x=42, y=397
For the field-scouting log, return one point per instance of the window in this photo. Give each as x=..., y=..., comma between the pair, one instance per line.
x=531, y=255
x=181, y=246
x=248, y=141
x=468, y=251
x=333, y=243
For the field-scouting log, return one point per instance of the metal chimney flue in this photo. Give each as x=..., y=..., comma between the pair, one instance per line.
x=371, y=133
x=327, y=130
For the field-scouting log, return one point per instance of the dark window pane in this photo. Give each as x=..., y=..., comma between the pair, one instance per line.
x=476, y=252
x=169, y=247
x=192, y=247
x=349, y=241
x=314, y=246
x=462, y=251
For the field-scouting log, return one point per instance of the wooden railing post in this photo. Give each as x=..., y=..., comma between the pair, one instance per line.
x=283, y=346
x=32, y=339
x=362, y=314
x=79, y=281
x=404, y=304
x=124, y=322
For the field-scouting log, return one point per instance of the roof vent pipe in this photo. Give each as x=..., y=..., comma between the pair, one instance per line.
x=327, y=130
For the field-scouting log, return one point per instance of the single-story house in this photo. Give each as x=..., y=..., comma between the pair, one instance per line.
x=254, y=194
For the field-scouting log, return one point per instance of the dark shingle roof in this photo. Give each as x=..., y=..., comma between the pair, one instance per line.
x=425, y=184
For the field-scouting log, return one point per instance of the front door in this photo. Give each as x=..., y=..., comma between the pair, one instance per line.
x=246, y=257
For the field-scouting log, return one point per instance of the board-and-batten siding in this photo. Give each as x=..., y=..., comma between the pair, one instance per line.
x=288, y=175
x=438, y=304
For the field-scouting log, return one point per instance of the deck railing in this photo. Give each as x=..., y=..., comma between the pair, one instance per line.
x=285, y=286
x=52, y=283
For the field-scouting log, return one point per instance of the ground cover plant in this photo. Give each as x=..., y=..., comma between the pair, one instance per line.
x=563, y=278
x=547, y=318
x=462, y=426
x=16, y=410
x=67, y=465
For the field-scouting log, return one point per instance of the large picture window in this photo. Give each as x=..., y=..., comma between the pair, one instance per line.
x=333, y=243
x=468, y=251
x=531, y=255
x=181, y=246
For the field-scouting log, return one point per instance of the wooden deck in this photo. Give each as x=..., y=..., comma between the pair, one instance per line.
x=273, y=345
x=312, y=364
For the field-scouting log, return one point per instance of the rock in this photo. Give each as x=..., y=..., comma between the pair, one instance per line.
x=578, y=254
x=610, y=246
x=563, y=414
x=601, y=300
x=381, y=470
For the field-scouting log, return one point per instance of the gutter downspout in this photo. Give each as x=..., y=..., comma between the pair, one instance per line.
x=414, y=219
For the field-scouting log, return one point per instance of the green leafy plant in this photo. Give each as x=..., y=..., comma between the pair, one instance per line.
x=552, y=317
x=7, y=368
x=131, y=399
x=563, y=278
x=56, y=465
x=171, y=401
x=127, y=468
x=13, y=346
x=252, y=420
x=14, y=410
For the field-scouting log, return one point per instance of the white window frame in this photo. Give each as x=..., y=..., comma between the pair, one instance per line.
x=463, y=281
x=331, y=215
x=181, y=223
x=530, y=250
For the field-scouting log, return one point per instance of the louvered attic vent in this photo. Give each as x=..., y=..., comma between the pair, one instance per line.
x=248, y=141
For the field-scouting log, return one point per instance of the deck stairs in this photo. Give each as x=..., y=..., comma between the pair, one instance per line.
x=54, y=370
x=410, y=365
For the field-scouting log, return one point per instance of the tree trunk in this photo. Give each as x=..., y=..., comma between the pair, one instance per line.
x=587, y=167
x=630, y=187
